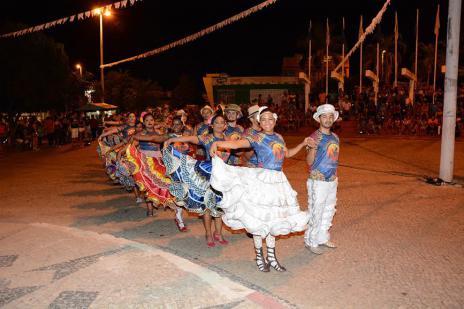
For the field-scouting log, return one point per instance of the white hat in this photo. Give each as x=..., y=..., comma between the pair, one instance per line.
x=253, y=110
x=181, y=112
x=325, y=109
x=207, y=107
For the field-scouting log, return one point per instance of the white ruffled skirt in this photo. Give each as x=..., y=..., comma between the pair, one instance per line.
x=259, y=200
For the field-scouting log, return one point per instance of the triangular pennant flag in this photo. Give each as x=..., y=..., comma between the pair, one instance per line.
x=132, y=2
x=123, y=3
x=108, y=7
x=437, y=21
x=80, y=16
x=41, y=27
x=71, y=19
x=87, y=14
x=65, y=19
x=116, y=5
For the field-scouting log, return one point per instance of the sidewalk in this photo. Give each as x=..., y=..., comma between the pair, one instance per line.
x=50, y=266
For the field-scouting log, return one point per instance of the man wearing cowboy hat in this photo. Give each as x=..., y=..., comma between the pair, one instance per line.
x=203, y=128
x=255, y=128
x=322, y=159
x=233, y=131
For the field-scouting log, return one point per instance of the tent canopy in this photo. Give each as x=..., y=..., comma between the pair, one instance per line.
x=92, y=107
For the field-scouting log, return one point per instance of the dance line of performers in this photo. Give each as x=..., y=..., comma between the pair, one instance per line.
x=228, y=174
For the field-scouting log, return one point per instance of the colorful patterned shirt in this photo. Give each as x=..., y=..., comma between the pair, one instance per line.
x=253, y=161
x=202, y=129
x=149, y=146
x=234, y=134
x=325, y=163
x=127, y=131
x=269, y=149
x=183, y=148
x=206, y=140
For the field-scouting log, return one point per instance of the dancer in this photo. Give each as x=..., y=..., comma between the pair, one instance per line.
x=110, y=152
x=322, y=158
x=148, y=171
x=203, y=128
x=260, y=200
x=233, y=131
x=250, y=156
x=191, y=179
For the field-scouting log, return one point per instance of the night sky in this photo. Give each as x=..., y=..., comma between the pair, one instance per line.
x=252, y=46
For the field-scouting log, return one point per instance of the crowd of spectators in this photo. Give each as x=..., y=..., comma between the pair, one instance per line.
x=31, y=132
x=393, y=114
x=396, y=114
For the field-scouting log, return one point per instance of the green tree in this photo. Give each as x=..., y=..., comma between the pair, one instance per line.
x=35, y=76
x=186, y=92
x=128, y=92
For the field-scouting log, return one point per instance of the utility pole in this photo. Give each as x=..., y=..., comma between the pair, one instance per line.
x=451, y=86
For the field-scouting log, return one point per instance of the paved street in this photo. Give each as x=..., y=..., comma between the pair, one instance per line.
x=69, y=237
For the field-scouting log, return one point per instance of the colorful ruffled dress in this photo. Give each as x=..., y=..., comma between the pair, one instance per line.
x=260, y=200
x=118, y=169
x=190, y=178
x=148, y=172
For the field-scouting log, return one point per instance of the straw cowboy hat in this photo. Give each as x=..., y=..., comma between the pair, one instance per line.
x=234, y=107
x=325, y=109
x=253, y=110
x=206, y=107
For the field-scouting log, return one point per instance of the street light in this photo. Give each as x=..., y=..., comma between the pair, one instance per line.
x=107, y=13
x=79, y=67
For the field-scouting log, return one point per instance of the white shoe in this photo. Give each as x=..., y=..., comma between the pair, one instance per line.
x=330, y=244
x=315, y=250
x=139, y=200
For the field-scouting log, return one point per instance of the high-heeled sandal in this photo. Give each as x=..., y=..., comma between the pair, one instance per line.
x=218, y=239
x=272, y=260
x=210, y=244
x=181, y=228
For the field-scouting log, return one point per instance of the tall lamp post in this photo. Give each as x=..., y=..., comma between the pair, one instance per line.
x=100, y=12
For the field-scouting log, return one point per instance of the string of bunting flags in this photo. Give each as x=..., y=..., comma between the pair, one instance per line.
x=196, y=35
x=76, y=17
x=362, y=35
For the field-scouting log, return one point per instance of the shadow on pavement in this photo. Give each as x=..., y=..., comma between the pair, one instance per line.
x=109, y=191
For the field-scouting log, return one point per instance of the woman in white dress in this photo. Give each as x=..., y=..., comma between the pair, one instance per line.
x=260, y=200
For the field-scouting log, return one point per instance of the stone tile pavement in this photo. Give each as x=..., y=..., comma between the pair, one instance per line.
x=49, y=266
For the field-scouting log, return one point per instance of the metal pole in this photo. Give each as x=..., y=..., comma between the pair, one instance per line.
x=102, y=74
x=396, y=50
x=309, y=77
x=451, y=83
x=377, y=73
x=435, y=61
x=417, y=49
x=361, y=62
x=327, y=63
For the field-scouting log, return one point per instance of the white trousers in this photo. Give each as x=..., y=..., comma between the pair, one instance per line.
x=322, y=197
